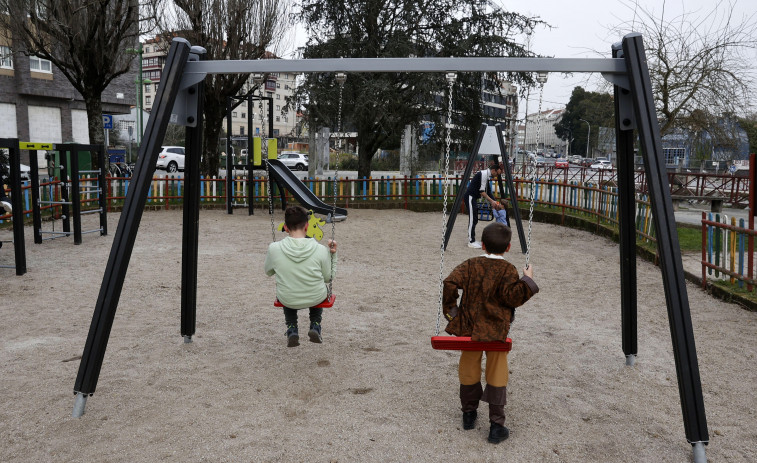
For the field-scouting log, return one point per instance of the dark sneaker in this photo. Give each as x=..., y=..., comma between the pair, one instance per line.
x=498, y=433
x=469, y=419
x=293, y=337
x=315, y=333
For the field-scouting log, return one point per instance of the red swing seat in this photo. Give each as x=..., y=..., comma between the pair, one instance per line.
x=326, y=304
x=465, y=343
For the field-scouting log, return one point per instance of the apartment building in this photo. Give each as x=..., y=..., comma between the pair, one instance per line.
x=539, y=133
x=278, y=87
x=38, y=104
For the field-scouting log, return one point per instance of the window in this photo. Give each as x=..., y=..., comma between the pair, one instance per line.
x=148, y=88
x=146, y=50
x=6, y=58
x=278, y=107
x=673, y=154
x=244, y=115
x=278, y=85
x=278, y=96
x=241, y=130
x=234, y=114
x=285, y=118
x=269, y=94
x=38, y=64
x=275, y=132
x=148, y=100
x=277, y=118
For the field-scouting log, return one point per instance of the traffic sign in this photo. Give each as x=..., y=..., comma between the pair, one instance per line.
x=107, y=121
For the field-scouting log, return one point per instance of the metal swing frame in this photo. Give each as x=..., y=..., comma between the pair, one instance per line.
x=179, y=100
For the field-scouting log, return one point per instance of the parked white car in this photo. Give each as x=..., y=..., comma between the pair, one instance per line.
x=25, y=172
x=294, y=160
x=601, y=164
x=171, y=159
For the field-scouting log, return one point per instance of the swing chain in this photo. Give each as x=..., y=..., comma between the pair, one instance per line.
x=259, y=79
x=451, y=78
x=341, y=77
x=542, y=79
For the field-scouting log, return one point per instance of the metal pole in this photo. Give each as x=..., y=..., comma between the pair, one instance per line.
x=679, y=313
x=128, y=225
x=191, y=222
x=588, y=137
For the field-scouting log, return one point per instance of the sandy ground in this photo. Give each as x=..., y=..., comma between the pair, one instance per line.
x=375, y=390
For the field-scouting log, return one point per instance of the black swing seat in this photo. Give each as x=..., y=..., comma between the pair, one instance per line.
x=326, y=304
x=465, y=343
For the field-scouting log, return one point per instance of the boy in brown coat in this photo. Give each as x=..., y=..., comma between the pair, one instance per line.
x=492, y=289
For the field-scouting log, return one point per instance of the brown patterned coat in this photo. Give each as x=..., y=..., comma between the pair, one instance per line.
x=492, y=290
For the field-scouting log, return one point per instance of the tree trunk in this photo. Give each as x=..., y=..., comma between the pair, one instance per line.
x=95, y=123
x=214, y=118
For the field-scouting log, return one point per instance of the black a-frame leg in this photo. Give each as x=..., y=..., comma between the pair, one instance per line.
x=511, y=190
x=128, y=224
x=679, y=315
x=624, y=139
x=192, y=217
x=463, y=184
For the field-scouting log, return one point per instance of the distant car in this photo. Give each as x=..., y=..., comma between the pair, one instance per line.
x=575, y=159
x=601, y=164
x=561, y=163
x=586, y=162
x=293, y=160
x=540, y=161
x=171, y=159
x=25, y=172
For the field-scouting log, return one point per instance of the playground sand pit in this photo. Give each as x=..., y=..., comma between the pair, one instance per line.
x=374, y=391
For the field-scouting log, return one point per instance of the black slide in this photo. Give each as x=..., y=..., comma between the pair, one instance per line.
x=307, y=198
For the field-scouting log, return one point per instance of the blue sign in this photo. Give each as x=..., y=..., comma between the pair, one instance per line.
x=107, y=121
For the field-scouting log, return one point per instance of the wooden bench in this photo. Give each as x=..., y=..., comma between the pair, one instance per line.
x=716, y=202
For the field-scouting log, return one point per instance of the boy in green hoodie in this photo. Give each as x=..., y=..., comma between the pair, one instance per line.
x=302, y=267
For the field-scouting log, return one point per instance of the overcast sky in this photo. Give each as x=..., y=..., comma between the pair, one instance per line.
x=581, y=29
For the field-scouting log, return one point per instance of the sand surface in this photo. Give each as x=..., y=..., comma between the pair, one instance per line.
x=374, y=391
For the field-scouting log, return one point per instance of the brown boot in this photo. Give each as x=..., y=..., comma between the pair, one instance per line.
x=497, y=399
x=470, y=395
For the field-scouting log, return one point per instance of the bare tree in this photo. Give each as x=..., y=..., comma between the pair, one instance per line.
x=85, y=39
x=228, y=30
x=698, y=60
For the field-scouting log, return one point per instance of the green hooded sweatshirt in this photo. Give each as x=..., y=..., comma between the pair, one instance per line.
x=302, y=267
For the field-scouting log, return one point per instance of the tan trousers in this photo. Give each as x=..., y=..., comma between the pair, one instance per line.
x=497, y=372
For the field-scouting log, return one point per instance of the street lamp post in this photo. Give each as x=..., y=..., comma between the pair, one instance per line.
x=588, y=137
x=139, y=81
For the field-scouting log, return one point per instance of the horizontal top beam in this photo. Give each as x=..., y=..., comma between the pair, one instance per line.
x=479, y=64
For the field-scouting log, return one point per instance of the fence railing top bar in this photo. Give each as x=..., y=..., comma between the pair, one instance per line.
x=475, y=64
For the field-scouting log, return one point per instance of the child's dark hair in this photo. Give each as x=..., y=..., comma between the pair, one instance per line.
x=496, y=237
x=296, y=217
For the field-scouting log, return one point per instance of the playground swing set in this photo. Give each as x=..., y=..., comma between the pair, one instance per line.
x=330, y=297
x=180, y=99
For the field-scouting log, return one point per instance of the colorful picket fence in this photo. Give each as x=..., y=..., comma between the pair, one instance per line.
x=725, y=250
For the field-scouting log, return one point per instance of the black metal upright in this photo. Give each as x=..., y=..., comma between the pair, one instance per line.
x=74, y=195
x=463, y=185
x=191, y=218
x=250, y=159
x=511, y=189
x=17, y=201
x=229, y=159
x=679, y=316
x=624, y=139
x=36, y=209
x=128, y=225
x=103, y=189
